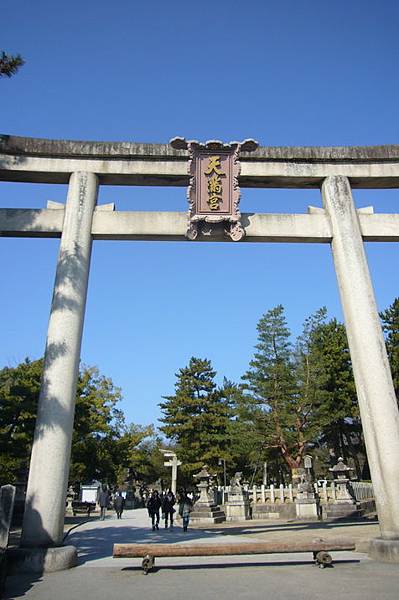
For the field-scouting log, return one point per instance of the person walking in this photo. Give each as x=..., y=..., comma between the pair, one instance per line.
x=168, y=503
x=103, y=500
x=119, y=504
x=153, y=506
x=185, y=508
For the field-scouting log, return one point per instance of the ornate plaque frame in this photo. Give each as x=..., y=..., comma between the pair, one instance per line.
x=205, y=213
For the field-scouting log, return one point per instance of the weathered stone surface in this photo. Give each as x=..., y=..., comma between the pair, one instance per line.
x=152, y=225
x=203, y=515
x=49, y=467
x=120, y=163
x=237, y=510
x=384, y=550
x=7, y=495
x=341, y=510
x=12, y=144
x=306, y=509
x=375, y=391
x=41, y=560
x=273, y=511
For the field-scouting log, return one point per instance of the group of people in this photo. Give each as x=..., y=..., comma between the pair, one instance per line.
x=157, y=504
x=165, y=504
x=105, y=499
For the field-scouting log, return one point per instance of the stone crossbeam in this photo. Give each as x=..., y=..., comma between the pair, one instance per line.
x=124, y=163
x=171, y=226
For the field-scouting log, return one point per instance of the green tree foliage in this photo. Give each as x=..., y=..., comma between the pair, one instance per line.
x=303, y=396
x=341, y=427
x=145, y=457
x=197, y=417
x=245, y=443
x=9, y=64
x=19, y=391
x=103, y=446
x=390, y=325
x=272, y=389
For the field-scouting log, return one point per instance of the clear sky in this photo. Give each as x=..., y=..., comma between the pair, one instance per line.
x=285, y=73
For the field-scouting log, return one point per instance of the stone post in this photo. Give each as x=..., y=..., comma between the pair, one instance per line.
x=290, y=493
x=333, y=492
x=49, y=466
x=281, y=493
x=262, y=493
x=254, y=494
x=7, y=495
x=174, y=463
x=376, y=396
x=324, y=492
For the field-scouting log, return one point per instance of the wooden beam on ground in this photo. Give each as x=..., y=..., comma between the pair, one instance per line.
x=247, y=548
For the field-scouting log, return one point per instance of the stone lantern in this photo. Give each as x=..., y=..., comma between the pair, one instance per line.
x=203, y=485
x=342, y=502
x=205, y=510
x=340, y=472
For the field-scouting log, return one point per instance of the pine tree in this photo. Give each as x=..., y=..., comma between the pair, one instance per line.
x=246, y=443
x=196, y=418
x=341, y=432
x=272, y=388
x=305, y=397
x=9, y=64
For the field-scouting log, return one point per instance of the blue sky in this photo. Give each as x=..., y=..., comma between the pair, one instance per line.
x=285, y=73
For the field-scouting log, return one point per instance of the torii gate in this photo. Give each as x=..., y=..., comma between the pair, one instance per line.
x=85, y=166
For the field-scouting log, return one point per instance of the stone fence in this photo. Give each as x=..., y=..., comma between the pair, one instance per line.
x=362, y=491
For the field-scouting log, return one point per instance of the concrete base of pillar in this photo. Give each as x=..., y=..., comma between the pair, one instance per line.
x=237, y=510
x=384, y=550
x=203, y=514
x=306, y=509
x=41, y=560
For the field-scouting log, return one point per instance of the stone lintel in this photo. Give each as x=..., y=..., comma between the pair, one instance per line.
x=12, y=144
x=164, y=226
x=127, y=163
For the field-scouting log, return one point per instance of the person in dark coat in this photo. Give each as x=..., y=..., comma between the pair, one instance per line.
x=168, y=503
x=103, y=500
x=185, y=507
x=153, y=506
x=119, y=504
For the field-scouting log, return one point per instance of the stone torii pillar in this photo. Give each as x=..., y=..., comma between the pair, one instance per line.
x=375, y=391
x=174, y=463
x=49, y=466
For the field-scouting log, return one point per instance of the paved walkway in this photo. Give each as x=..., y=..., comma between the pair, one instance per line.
x=99, y=576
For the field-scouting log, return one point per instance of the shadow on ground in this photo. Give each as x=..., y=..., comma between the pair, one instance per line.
x=19, y=586
x=239, y=565
x=320, y=526
x=97, y=542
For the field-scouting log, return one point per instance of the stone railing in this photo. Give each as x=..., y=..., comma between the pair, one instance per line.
x=362, y=490
x=281, y=494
